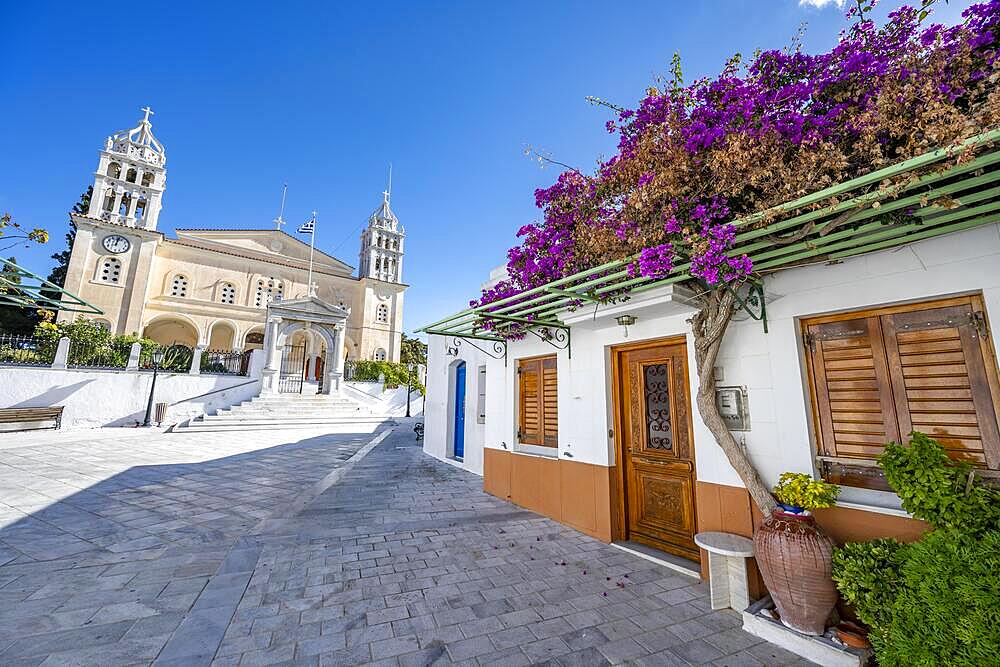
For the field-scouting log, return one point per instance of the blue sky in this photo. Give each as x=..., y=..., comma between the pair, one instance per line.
x=325, y=95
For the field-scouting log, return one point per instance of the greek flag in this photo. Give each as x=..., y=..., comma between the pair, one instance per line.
x=308, y=227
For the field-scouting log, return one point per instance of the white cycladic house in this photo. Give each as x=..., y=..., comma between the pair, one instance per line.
x=856, y=353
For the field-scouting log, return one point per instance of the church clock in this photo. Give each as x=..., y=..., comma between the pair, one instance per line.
x=116, y=243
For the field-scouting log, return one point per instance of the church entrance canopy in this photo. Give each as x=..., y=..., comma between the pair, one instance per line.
x=320, y=345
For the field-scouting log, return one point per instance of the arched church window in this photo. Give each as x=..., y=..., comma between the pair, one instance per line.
x=111, y=270
x=123, y=207
x=228, y=293
x=140, y=208
x=380, y=355
x=147, y=178
x=132, y=175
x=382, y=314
x=179, y=286
x=114, y=169
x=378, y=264
x=267, y=291
x=395, y=244
x=109, y=200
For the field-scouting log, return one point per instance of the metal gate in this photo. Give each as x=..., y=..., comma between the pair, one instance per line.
x=293, y=369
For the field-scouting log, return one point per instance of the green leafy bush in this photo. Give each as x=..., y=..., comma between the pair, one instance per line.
x=936, y=601
x=396, y=375
x=800, y=490
x=947, y=609
x=935, y=488
x=93, y=345
x=867, y=574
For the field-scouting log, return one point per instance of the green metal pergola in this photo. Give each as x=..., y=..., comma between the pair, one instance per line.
x=858, y=216
x=20, y=287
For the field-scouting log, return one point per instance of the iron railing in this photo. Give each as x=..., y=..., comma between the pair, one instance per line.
x=363, y=371
x=176, y=358
x=98, y=354
x=25, y=350
x=225, y=362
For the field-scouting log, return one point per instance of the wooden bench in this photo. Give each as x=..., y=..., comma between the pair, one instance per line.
x=32, y=415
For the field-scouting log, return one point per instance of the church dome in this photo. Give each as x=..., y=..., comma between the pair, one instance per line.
x=138, y=143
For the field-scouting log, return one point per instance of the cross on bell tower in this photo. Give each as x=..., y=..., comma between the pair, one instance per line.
x=131, y=177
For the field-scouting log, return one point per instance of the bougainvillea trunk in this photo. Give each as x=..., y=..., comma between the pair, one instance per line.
x=709, y=326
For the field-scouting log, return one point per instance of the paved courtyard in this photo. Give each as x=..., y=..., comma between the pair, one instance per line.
x=278, y=548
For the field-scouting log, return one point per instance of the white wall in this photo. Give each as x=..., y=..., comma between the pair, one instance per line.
x=771, y=366
x=391, y=402
x=95, y=398
x=439, y=406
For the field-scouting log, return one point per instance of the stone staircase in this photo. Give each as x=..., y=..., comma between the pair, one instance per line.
x=339, y=414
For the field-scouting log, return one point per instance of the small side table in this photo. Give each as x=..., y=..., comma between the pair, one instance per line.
x=727, y=568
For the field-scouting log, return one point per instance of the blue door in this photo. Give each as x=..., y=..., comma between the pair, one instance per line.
x=460, y=411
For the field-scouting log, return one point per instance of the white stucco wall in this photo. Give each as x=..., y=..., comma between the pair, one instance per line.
x=439, y=406
x=771, y=366
x=95, y=398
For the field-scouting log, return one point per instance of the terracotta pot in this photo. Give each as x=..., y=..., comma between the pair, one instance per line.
x=794, y=557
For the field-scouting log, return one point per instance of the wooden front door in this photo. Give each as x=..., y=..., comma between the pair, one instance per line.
x=656, y=449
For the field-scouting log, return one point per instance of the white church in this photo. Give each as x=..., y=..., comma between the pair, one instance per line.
x=211, y=288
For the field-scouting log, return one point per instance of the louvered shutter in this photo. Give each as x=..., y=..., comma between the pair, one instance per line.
x=529, y=382
x=852, y=393
x=550, y=408
x=940, y=382
x=481, y=396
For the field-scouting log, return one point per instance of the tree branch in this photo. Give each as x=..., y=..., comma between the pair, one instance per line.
x=709, y=325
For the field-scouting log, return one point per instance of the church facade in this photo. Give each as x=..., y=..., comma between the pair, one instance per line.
x=212, y=287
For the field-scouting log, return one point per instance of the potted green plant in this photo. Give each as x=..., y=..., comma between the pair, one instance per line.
x=799, y=493
x=795, y=555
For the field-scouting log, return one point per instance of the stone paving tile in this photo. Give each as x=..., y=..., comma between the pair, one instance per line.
x=109, y=545
x=404, y=561
x=418, y=567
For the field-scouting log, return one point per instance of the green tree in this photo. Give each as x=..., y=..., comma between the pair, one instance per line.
x=412, y=351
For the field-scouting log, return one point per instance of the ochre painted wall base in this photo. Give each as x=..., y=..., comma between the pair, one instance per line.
x=579, y=495
x=729, y=509
x=576, y=494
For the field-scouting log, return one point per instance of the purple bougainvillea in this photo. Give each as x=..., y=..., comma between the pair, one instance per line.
x=695, y=159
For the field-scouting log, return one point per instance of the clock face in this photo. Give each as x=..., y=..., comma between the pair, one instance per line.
x=116, y=243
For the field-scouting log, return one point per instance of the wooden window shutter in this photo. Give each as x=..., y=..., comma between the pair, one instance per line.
x=538, y=415
x=940, y=365
x=550, y=406
x=529, y=384
x=852, y=393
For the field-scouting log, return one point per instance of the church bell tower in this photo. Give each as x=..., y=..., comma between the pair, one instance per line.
x=130, y=179
x=382, y=245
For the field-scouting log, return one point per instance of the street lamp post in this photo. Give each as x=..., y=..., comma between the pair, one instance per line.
x=409, y=387
x=157, y=359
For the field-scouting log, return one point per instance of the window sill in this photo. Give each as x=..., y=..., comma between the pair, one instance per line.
x=875, y=509
x=537, y=450
x=107, y=284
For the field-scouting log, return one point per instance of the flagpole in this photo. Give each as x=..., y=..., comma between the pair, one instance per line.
x=312, y=244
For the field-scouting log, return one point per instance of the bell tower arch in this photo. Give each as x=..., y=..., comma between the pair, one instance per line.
x=382, y=244
x=130, y=178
